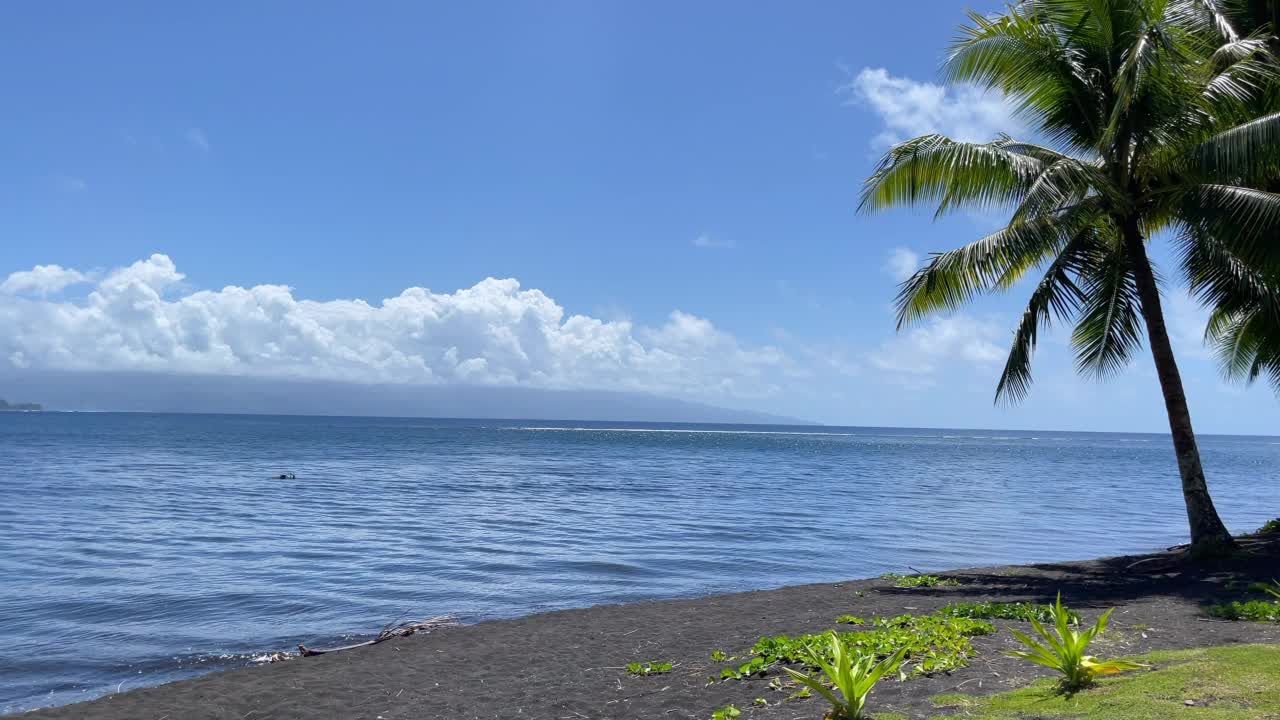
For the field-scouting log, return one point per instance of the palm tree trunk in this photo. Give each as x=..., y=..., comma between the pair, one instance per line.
x=1208, y=535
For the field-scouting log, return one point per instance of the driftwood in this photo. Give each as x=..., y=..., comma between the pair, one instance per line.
x=394, y=630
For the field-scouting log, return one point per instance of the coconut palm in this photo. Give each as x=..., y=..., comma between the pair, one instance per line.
x=1147, y=116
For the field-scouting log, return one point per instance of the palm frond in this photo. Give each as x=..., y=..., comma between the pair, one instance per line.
x=934, y=168
x=995, y=262
x=1110, y=327
x=1056, y=297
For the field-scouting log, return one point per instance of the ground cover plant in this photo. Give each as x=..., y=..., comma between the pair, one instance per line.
x=931, y=643
x=919, y=581
x=1252, y=610
x=1006, y=611
x=649, y=668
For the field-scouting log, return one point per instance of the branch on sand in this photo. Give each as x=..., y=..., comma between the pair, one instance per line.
x=396, y=629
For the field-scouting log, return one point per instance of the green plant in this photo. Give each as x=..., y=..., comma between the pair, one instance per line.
x=1005, y=611
x=1066, y=652
x=919, y=581
x=728, y=712
x=852, y=675
x=851, y=620
x=760, y=702
x=1270, y=527
x=649, y=668
x=718, y=656
x=754, y=666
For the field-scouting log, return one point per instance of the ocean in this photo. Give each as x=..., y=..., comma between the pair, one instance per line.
x=136, y=549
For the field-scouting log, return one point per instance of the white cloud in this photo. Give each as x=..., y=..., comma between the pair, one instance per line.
x=141, y=317
x=926, y=349
x=910, y=108
x=902, y=263
x=42, y=280
x=706, y=241
x=198, y=139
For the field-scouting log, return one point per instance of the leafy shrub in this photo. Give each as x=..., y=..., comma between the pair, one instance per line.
x=1066, y=652
x=1006, y=611
x=853, y=676
x=649, y=668
x=1270, y=527
x=919, y=581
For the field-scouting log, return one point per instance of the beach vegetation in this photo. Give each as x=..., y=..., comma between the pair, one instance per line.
x=1251, y=610
x=851, y=620
x=1224, y=683
x=718, y=656
x=932, y=643
x=1067, y=652
x=1152, y=119
x=851, y=676
x=1006, y=611
x=728, y=712
x=919, y=581
x=649, y=668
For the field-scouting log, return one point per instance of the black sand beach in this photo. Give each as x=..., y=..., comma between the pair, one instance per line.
x=570, y=664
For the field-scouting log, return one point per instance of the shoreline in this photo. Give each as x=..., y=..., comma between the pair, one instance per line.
x=571, y=663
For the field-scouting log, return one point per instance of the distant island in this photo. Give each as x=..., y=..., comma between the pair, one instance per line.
x=19, y=407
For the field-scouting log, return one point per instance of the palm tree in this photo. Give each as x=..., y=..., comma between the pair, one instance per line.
x=1147, y=110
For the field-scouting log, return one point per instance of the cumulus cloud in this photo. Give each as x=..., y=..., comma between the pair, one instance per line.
x=926, y=349
x=910, y=108
x=42, y=280
x=706, y=241
x=141, y=317
x=902, y=263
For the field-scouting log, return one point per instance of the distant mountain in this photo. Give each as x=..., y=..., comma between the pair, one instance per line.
x=18, y=407
x=158, y=392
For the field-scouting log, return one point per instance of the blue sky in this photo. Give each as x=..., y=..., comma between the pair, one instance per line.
x=621, y=161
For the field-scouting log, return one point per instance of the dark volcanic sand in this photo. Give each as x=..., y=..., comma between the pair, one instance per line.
x=569, y=664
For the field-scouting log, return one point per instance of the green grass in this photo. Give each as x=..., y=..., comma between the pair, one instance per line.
x=919, y=581
x=1005, y=611
x=1223, y=683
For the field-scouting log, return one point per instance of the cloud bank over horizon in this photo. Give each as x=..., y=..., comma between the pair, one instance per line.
x=143, y=317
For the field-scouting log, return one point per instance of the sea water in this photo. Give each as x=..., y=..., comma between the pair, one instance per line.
x=137, y=549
